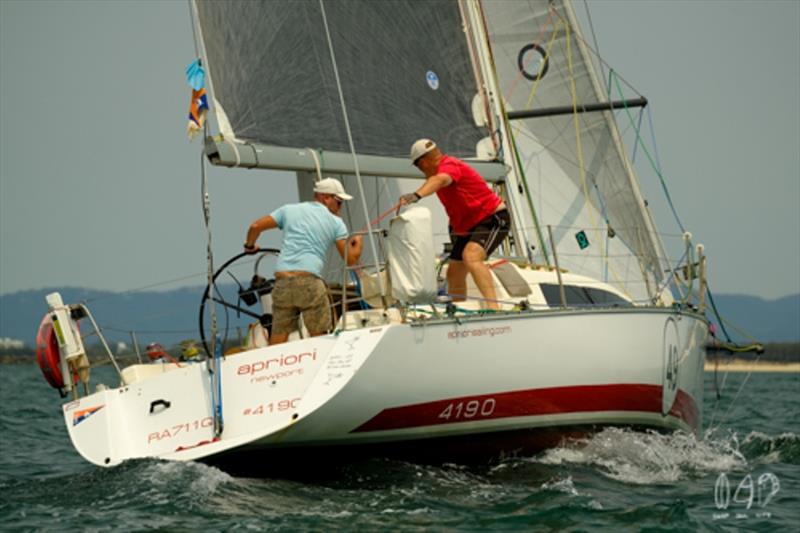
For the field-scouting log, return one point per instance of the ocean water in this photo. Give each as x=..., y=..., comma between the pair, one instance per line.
x=742, y=474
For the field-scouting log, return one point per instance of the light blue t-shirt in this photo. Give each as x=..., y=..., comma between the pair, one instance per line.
x=308, y=231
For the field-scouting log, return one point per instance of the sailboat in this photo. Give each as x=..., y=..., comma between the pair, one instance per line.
x=596, y=327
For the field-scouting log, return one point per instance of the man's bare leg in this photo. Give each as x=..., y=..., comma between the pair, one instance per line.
x=473, y=255
x=457, y=280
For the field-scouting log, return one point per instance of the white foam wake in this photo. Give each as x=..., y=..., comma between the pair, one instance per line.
x=649, y=458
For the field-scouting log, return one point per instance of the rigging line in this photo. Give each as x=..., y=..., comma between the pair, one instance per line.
x=162, y=331
x=214, y=363
x=519, y=75
x=653, y=262
x=144, y=287
x=658, y=161
x=649, y=157
x=519, y=126
x=722, y=321
x=564, y=160
x=206, y=205
x=716, y=312
x=718, y=389
x=380, y=218
x=529, y=198
x=535, y=87
x=604, y=63
x=579, y=149
x=724, y=417
x=653, y=135
x=670, y=278
x=372, y=245
x=604, y=215
x=194, y=30
x=594, y=39
x=638, y=127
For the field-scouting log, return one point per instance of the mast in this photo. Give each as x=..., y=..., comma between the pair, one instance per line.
x=471, y=11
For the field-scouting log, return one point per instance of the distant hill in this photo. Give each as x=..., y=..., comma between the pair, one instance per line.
x=166, y=317
x=766, y=320
x=171, y=316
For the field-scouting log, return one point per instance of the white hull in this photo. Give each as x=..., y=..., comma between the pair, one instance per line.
x=387, y=386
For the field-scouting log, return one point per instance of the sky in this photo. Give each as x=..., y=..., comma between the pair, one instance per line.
x=100, y=188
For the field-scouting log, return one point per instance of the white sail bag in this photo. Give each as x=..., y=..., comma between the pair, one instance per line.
x=411, y=258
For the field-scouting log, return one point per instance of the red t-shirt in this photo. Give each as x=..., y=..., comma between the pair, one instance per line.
x=467, y=200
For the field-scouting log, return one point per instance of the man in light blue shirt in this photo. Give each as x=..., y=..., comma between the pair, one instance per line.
x=309, y=228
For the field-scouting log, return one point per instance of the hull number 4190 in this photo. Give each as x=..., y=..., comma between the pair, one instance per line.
x=467, y=410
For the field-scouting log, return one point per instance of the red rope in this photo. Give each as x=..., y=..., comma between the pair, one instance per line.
x=378, y=220
x=394, y=208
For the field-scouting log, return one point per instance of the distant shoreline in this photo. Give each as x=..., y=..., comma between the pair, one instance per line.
x=743, y=365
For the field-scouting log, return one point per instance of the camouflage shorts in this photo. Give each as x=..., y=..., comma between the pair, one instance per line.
x=300, y=294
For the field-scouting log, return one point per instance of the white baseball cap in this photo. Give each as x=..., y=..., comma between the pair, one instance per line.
x=420, y=148
x=332, y=186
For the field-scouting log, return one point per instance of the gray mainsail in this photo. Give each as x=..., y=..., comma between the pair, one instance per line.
x=404, y=67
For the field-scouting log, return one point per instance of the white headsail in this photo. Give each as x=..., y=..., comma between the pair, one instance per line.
x=573, y=162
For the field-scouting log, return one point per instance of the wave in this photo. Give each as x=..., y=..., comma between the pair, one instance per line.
x=646, y=458
x=761, y=448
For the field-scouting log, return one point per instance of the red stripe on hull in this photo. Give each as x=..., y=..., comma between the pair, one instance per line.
x=685, y=408
x=551, y=401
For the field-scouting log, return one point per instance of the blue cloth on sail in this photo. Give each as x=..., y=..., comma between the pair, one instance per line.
x=309, y=229
x=195, y=75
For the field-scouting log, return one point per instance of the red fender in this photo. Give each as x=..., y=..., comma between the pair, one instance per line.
x=48, y=355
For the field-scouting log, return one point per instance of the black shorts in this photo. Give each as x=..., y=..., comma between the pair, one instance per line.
x=489, y=233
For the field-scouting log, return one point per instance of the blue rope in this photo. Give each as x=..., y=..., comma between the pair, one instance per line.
x=658, y=169
x=672, y=273
x=716, y=313
x=218, y=385
x=361, y=302
x=608, y=223
x=652, y=163
x=636, y=145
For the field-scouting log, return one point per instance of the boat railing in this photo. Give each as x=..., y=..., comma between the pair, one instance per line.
x=383, y=276
x=381, y=301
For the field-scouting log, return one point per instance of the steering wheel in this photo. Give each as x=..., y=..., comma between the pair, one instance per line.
x=258, y=286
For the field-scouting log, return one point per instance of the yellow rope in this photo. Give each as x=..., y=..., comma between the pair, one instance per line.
x=738, y=329
x=544, y=61
x=582, y=166
x=535, y=87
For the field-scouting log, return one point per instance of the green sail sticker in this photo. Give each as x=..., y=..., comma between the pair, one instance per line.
x=583, y=241
x=59, y=333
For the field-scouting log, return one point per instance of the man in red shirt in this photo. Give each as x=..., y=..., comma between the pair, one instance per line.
x=479, y=220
